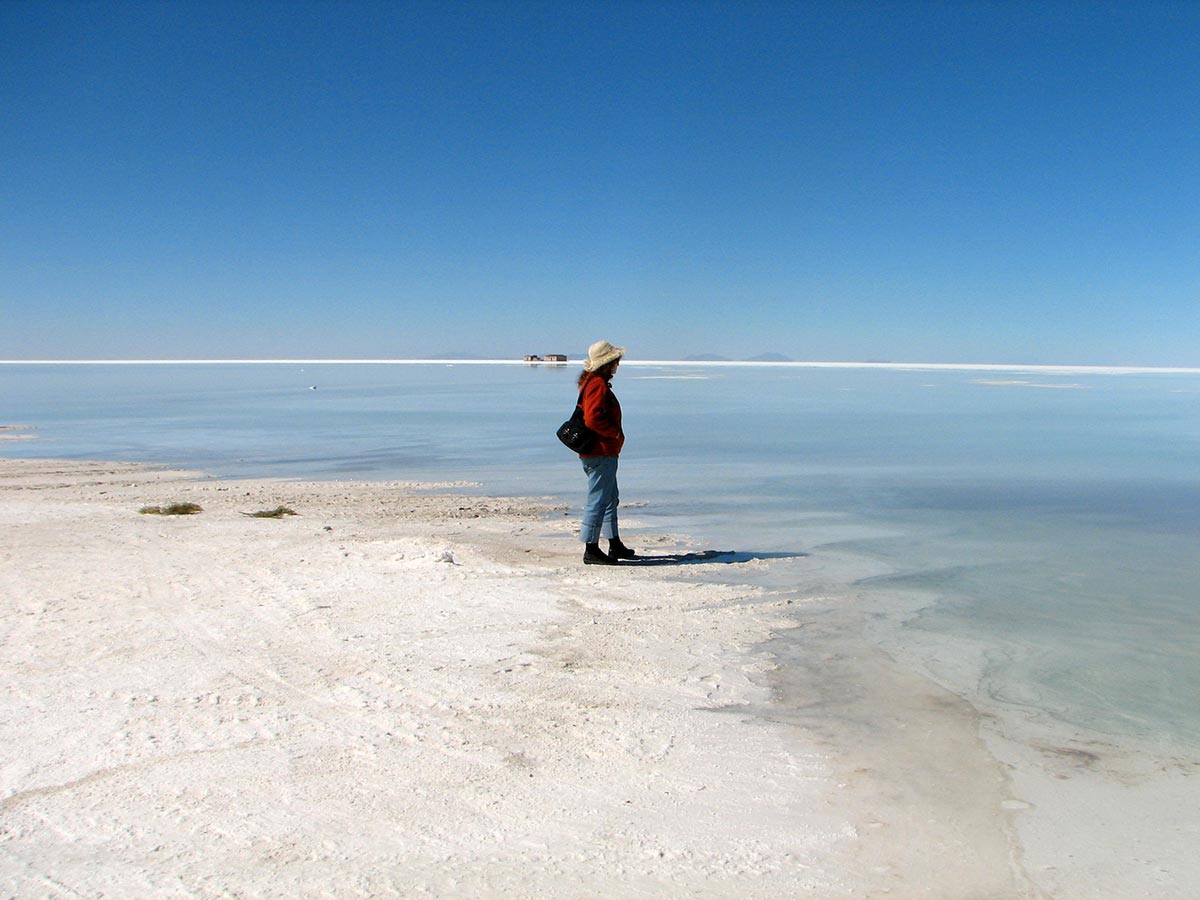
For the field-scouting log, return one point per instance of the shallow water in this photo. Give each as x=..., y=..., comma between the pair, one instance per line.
x=1051, y=519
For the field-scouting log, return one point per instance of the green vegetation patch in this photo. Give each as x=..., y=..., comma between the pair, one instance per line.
x=277, y=513
x=175, y=509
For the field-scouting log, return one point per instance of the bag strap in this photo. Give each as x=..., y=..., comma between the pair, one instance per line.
x=583, y=387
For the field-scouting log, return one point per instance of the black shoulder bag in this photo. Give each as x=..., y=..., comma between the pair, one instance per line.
x=573, y=433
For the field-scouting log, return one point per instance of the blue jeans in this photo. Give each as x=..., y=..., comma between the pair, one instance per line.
x=600, y=511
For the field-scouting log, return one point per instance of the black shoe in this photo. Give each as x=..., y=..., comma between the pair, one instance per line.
x=594, y=556
x=617, y=550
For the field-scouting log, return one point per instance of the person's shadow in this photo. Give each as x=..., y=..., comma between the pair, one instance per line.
x=704, y=557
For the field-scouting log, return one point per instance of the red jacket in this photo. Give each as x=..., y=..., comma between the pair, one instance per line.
x=602, y=414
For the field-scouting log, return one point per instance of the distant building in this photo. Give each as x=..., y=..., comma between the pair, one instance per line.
x=532, y=358
x=556, y=357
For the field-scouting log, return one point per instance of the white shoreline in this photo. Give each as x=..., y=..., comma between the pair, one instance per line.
x=913, y=367
x=496, y=719
x=422, y=694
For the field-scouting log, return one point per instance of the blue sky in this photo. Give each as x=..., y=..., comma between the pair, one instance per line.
x=933, y=182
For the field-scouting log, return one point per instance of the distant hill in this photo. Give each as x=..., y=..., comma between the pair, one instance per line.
x=714, y=357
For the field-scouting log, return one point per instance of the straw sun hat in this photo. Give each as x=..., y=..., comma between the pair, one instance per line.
x=601, y=353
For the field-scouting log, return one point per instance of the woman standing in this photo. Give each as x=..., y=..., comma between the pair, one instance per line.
x=602, y=414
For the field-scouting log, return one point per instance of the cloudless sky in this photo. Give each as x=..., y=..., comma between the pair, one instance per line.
x=999, y=182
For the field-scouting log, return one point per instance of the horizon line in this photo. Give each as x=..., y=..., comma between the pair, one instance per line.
x=811, y=364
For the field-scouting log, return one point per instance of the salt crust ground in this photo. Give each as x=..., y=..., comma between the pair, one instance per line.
x=394, y=692
x=406, y=692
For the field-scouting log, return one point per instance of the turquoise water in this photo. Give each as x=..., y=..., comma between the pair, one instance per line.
x=1052, y=519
